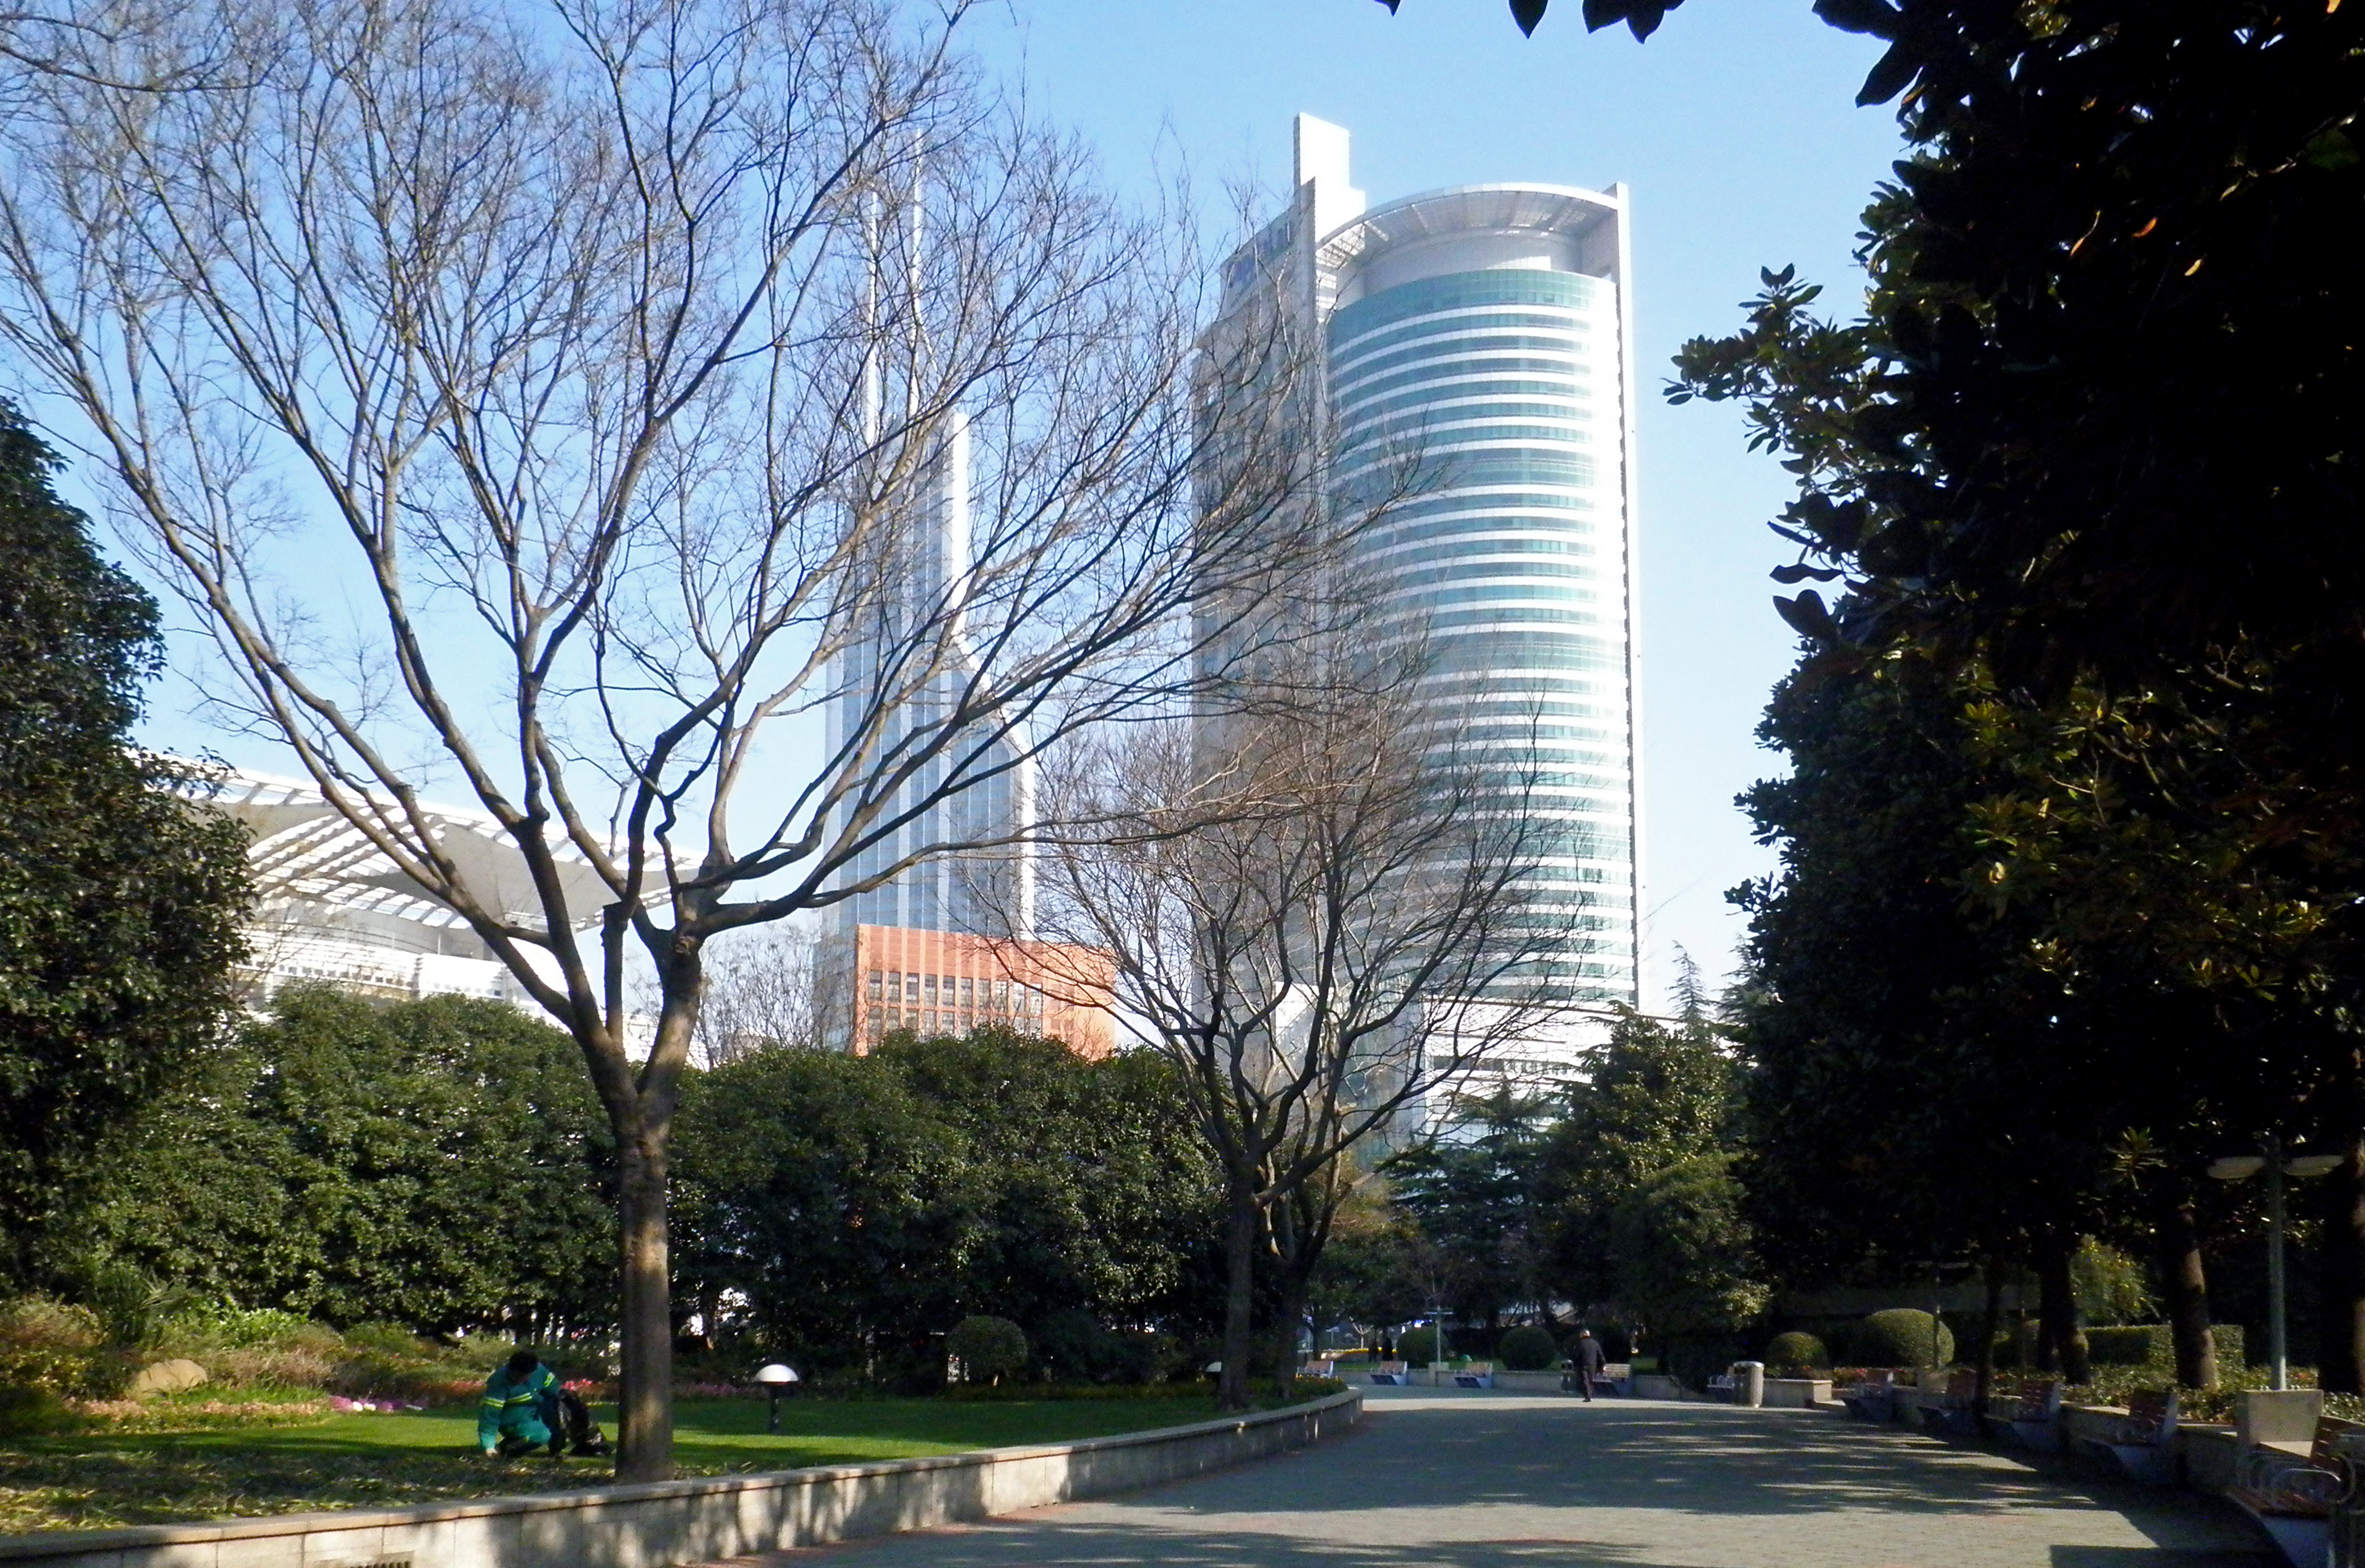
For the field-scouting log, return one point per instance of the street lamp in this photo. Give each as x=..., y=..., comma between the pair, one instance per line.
x=2241, y=1168
x=775, y=1377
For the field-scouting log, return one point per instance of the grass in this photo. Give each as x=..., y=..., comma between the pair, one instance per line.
x=211, y=1472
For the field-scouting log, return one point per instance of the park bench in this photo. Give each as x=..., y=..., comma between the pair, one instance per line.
x=2293, y=1499
x=2031, y=1411
x=1614, y=1377
x=1477, y=1374
x=1875, y=1399
x=2142, y=1442
x=1948, y=1408
x=1390, y=1374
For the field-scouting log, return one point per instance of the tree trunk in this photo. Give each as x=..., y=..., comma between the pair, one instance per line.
x=1240, y=1290
x=2188, y=1293
x=1990, y=1325
x=2061, y=1343
x=1291, y=1313
x=644, y=1397
x=2340, y=1276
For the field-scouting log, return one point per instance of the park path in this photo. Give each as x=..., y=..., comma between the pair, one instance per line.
x=1447, y=1479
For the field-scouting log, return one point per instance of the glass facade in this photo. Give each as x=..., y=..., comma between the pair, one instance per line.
x=1501, y=387
x=913, y=627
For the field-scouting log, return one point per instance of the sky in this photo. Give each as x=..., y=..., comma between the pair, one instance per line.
x=1736, y=128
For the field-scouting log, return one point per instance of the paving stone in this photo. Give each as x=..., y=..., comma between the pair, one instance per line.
x=1446, y=1479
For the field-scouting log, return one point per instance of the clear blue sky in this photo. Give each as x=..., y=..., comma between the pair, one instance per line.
x=1736, y=128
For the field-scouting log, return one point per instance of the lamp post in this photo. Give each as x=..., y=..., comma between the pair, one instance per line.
x=2241, y=1168
x=775, y=1377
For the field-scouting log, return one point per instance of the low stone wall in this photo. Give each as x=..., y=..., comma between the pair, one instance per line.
x=1798, y=1392
x=686, y=1521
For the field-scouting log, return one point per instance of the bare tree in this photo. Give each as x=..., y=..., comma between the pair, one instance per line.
x=784, y=987
x=1323, y=908
x=553, y=404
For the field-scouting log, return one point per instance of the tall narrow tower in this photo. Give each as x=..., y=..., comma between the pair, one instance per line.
x=986, y=895
x=1490, y=328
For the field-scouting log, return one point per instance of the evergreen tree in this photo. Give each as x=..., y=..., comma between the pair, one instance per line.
x=120, y=900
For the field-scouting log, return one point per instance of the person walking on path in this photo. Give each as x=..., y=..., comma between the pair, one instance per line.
x=520, y=1409
x=1589, y=1360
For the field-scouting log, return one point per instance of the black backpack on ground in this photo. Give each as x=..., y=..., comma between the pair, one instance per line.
x=582, y=1434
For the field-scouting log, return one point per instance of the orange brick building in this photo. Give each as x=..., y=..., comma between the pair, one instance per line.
x=943, y=983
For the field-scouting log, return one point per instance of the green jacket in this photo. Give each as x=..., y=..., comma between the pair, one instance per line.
x=510, y=1405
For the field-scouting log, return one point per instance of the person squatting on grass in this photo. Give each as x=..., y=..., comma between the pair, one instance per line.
x=521, y=1410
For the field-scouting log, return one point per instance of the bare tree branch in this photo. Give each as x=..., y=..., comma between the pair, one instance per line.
x=554, y=396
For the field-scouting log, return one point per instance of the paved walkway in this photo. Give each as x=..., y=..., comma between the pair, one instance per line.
x=1446, y=1479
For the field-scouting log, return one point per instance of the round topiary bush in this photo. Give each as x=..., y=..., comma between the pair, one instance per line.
x=1421, y=1345
x=1796, y=1350
x=1527, y=1348
x=1900, y=1336
x=989, y=1348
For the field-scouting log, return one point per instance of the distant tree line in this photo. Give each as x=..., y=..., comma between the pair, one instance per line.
x=1611, y=1199
x=440, y=1164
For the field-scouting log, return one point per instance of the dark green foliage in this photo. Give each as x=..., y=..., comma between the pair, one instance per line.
x=865, y=1205
x=1641, y=18
x=119, y=901
x=1527, y=1348
x=1423, y=1346
x=1072, y=1346
x=1797, y=1349
x=1652, y=1097
x=1473, y=1200
x=2070, y=839
x=1374, y=1271
x=59, y=1350
x=2132, y=1345
x=1898, y=1337
x=1681, y=1255
x=989, y=1348
x=2151, y=1345
x=437, y=1164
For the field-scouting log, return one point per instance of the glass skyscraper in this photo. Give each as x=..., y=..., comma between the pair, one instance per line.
x=1485, y=330
x=915, y=622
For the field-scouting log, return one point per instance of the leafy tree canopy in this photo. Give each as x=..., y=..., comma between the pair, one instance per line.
x=437, y=1164
x=863, y=1205
x=119, y=903
x=1655, y=1094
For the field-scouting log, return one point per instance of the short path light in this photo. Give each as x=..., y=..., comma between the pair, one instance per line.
x=775, y=1377
x=2241, y=1168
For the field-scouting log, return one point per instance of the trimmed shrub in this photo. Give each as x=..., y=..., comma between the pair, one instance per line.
x=2133, y=1345
x=1527, y=1348
x=1796, y=1350
x=1900, y=1336
x=1423, y=1346
x=2149, y=1346
x=989, y=1348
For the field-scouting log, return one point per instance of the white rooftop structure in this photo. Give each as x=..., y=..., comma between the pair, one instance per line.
x=331, y=906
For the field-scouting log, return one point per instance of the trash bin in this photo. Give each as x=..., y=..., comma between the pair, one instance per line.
x=1749, y=1383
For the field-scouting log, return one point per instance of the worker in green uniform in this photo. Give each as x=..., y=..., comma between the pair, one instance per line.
x=520, y=1409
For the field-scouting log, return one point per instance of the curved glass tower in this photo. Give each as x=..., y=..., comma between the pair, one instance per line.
x=1478, y=337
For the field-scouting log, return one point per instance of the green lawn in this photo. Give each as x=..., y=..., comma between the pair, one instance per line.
x=383, y=1461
